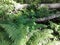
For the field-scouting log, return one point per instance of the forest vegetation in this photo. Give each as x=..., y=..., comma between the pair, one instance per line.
x=29, y=22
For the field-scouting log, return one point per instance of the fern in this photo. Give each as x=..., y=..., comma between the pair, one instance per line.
x=15, y=34
x=39, y=36
x=21, y=29
x=3, y=42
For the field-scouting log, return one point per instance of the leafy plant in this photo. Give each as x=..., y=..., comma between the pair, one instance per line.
x=21, y=29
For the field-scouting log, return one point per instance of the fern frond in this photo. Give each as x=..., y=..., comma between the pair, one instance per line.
x=39, y=36
x=4, y=42
x=16, y=34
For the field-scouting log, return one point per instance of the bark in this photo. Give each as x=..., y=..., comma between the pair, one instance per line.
x=50, y=6
x=48, y=18
x=53, y=5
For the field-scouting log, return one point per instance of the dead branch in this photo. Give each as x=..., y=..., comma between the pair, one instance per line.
x=53, y=5
x=48, y=18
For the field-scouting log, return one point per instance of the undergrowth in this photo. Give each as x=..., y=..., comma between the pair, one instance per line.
x=21, y=29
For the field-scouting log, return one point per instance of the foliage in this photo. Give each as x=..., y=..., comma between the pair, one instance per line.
x=20, y=28
x=38, y=1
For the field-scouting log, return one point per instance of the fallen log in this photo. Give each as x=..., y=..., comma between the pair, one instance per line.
x=52, y=6
x=48, y=18
x=19, y=6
